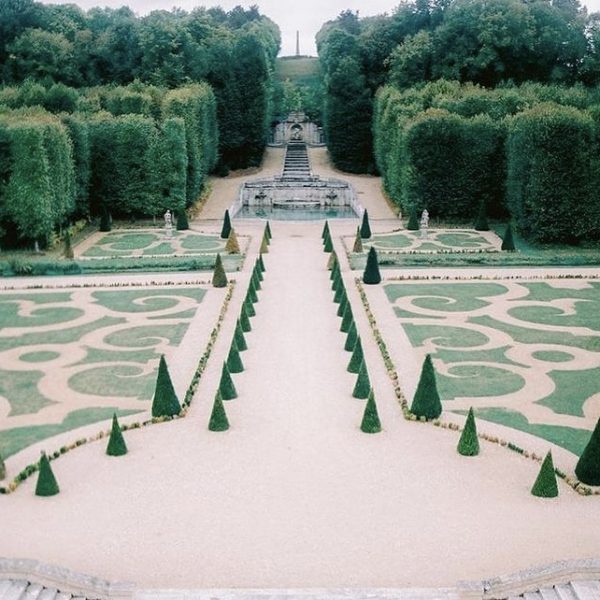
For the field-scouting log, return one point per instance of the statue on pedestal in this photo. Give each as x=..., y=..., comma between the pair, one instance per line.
x=424, y=225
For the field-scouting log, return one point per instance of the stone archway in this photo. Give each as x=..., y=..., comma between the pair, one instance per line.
x=296, y=133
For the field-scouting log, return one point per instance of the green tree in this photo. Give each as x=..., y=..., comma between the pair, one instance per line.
x=219, y=278
x=468, y=444
x=588, y=465
x=165, y=402
x=116, y=443
x=370, y=421
x=362, y=387
x=226, y=385
x=426, y=402
x=226, y=229
x=357, y=357
x=234, y=360
x=218, y=417
x=371, y=275
x=46, y=482
x=365, y=228
x=545, y=485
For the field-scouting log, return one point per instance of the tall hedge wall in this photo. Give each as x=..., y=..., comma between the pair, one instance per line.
x=448, y=147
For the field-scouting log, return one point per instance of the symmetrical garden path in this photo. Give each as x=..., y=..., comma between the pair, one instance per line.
x=294, y=494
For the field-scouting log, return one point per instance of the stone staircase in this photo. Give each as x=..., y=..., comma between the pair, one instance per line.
x=19, y=589
x=296, y=164
x=575, y=590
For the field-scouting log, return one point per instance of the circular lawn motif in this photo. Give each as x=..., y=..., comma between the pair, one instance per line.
x=40, y=356
x=552, y=356
x=392, y=241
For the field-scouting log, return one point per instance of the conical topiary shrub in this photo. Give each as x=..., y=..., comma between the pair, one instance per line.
x=337, y=279
x=335, y=267
x=244, y=318
x=365, y=228
x=545, y=485
x=426, y=402
x=508, y=242
x=371, y=275
x=46, y=482
x=226, y=385
x=240, y=340
x=116, y=442
x=357, y=357
x=219, y=279
x=325, y=231
x=226, y=229
x=358, y=245
x=351, y=339
x=481, y=222
x=165, y=402
x=2, y=469
x=182, y=220
x=332, y=261
x=218, y=417
x=252, y=295
x=362, y=387
x=250, y=312
x=234, y=360
x=468, y=444
x=268, y=232
x=68, y=251
x=347, y=319
x=258, y=271
x=588, y=465
x=232, y=246
x=340, y=293
x=264, y=245
x=343, y=303
x=328, y=244
x=413, y=220
x=105, y=220
x=261, y=262
x=370, y=421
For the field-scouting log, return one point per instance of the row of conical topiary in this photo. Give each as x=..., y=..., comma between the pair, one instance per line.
x=226, y=391
x=165, y=402
x=362, y=389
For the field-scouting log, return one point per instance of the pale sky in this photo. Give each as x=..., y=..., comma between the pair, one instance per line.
x=305, y=16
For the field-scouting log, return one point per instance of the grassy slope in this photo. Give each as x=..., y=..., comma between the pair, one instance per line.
x=302, y=71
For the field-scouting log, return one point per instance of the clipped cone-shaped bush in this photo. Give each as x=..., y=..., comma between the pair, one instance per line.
x=234, y=360
x=2, y=469
x=68, y=251
x=332, y=261
x=226, y=385
x=218, y=416
x=545, y=485
x=343, y=302
x=362, y=387
x=226, y=229
x=365, y=228
x=370, y=421
x=426, y=402
x=371, y=275
x=219, y=278
x=337, y=279
x=244, y=317
x=252, y=295
x=258, y=271
x=105, y=220
x=351, y=339
x=468, y=444
x=182, y=220
x=249, y=306
x=328, y=244
x=240, y=339
x=358, y=245
x=347, y=319
x=588, y=465
x=325, y=231
x=264, y=246
x=261, y=262
x=413, y=220
x=116, y=442
x=481, y=222
x=255, y=280
x=232, y=246
x=340, y=293
x=508, y=242
x=165, y=402
x=357, y=357
x=268, y=231
x=46, y=482
x=335, y=267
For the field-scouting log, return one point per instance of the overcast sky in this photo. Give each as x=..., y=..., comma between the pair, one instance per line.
x=305, y=16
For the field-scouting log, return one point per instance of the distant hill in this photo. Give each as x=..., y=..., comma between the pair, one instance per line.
x=301, y=70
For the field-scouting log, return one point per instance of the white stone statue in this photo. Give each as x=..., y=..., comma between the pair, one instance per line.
x=168, y=223
x=424, y=225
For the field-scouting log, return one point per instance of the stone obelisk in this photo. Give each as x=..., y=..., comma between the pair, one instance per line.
x=297, y=43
